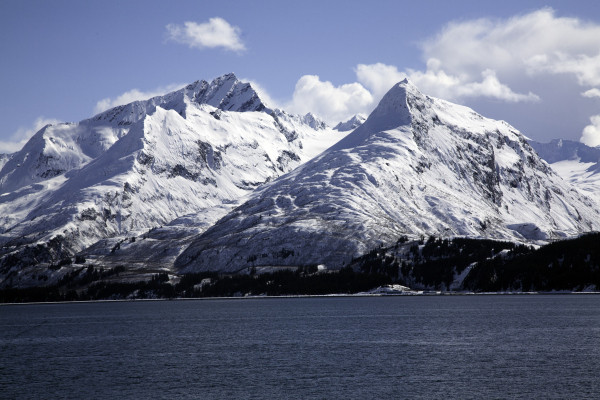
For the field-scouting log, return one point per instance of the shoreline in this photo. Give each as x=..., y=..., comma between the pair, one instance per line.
x=299, y=296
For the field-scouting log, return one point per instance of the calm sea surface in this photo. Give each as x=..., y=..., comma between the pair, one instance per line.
x=483, y=347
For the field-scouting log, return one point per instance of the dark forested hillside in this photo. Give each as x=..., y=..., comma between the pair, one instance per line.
x=491, y=266
x=572, y=265
x=449, y=265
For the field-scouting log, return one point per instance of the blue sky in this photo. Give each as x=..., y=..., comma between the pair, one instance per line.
x=535, y=64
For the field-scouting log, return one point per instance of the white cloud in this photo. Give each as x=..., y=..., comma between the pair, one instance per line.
x=7, y=147
x=534, y=42
x=18, y=139
x=491, y=87
x=332, y=103
x=594, y=92
x=591, y=133
x=134, y=95
x=435, y=81
x=336, y=104
x=584, y=67
x=215, y=33
x=477, y=58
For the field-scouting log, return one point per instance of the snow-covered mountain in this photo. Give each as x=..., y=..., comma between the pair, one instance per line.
x=417, y=166
x=351, y=124
x=56, y=149
x=574, y=162
x=145, y=164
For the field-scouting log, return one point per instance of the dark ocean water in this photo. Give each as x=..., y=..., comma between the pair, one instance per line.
x=461, y=347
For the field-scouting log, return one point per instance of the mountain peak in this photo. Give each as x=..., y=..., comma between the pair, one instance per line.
x=228, y=93
x=394, y=109
x=566, y=150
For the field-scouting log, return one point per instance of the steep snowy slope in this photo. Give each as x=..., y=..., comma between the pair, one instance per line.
x=574, y=162
x=189, y=158
x=418, y=165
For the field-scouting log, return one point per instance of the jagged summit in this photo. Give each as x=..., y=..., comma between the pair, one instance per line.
x=228, y=94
